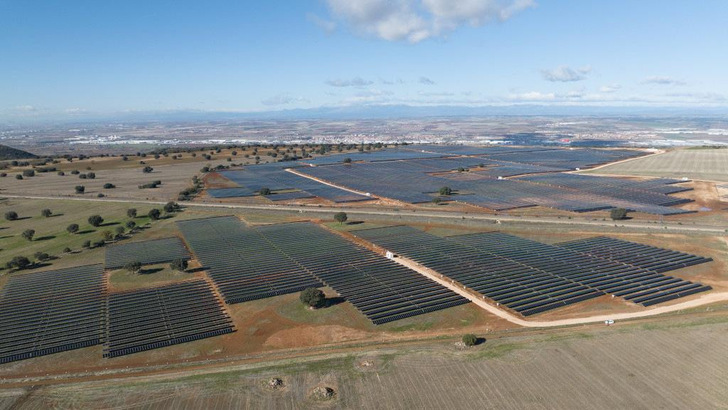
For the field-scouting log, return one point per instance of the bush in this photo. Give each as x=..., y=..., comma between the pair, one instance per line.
x=18, y=176
x=313, y=297
x=147, y=169
x=86, y=244
x=470, y=340
x=436, y=200
x=445, y=191
x=72, y=228
x=119, y=230
x=340, y=217
x=67, y=250
x=179, y=265
x=18, y=262
x=264, y=191
x=61, y=173
x=154, y=214
x=130, y=225
x=28, y=234
x=133, y=267
x=11, y=216
x=100, y=195
x=83, y=176
x=107, y=235
x=109, y=185
x=170, y=207
x=28, y=173
x=42, y=256
x=347, y=160
x=91, y=175
x=131, y=212
x=95, y=220
x=618, y=214
x=80, y=189
x=46, y=213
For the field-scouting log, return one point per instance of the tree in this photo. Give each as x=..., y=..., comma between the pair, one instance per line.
x=28, y=234
x=154, y=214
x=147, y=169
x=470, y=340
x=46, y=213
x=179, y=265
x=80, y=189
x=109, y=185
x=347, y=160
x=28, y=173
x=11, y=216
x=91, y=175
x=120, y=230
x=436, y=200
x=86, y=244
x=618, y=214
x=18, y=176
x=170, y=207
x=133, y=267
x=67, y=250
x=313, y=297
x=130, y=225
x=95, y=220
x=107, y=235
x=42, y=256
x=445, y=190
x=264, y=191
x=340, y=217
x=72, y=228
x=131, y=212
x=18, y=262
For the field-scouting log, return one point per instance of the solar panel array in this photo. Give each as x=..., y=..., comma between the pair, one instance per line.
x=523, y=288
x=163, y=316
x=532, y=277
x=636, y=254
x=146, y=252
x=634, y=283
x=52, y=311
x=381, y=289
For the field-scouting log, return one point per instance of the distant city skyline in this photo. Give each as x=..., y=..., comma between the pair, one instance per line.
x=79, y=59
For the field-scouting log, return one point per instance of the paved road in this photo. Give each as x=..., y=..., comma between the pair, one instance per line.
x=442, y=216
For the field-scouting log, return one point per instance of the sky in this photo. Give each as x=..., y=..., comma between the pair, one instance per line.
x=69, y=58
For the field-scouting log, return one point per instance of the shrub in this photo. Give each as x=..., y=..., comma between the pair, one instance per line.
x=179, y=265
x=28, y=234
x=154, y=214
x=436, y=200
x=100, y=195
x=18, y=176
x=347, y=160
x=46, y=213
x=42, y=256
x=618, y=214
x=131, y=212
x=95, y=220
x=75, y=172
x=133, y=267
x=264, y=191
x=28, y=173
x=470, y=340
x=61, y=173
x=107, y=235
x=11, y=215
x=67, y=250
x=86, y=244
x=147, y=169
x=119, y=230
x=445, y=191
x=72, y=228
x=109, y=185
x=80, y=189
x=313, y=297
x=18, y=262
x=83, y=176
x=91, y=175
x=340, y=217
x=170, y=207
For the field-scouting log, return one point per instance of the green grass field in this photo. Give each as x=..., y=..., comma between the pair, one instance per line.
x=701, y=164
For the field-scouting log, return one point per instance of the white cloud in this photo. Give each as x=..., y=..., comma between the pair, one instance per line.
x=662, y=80
x=25, y=108
x=532, y=96
x=426, y=81
x=565, y=74
x=354, y=82
x=417, y=20
x=283, y=99
x=610, y=88
x=327, y=26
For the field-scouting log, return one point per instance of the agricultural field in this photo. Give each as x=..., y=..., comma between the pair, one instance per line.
x=701, y=164
x=624, y=366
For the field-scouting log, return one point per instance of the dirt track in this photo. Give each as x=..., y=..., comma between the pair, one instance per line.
x=705, y=299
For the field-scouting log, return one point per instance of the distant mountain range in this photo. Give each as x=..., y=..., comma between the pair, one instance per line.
x=7, y=153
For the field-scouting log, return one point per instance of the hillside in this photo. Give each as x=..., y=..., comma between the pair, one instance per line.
x=12, y=153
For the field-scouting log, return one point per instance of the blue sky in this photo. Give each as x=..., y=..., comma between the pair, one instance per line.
x=75, y=58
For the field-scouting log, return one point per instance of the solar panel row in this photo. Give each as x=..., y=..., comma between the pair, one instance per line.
x=52, y=311
x=145, y=252
x=163, y=316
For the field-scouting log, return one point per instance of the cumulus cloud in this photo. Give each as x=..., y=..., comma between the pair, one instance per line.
x=426, y=81
x=417, y=20
x=565, y=74
x=354, y=82
x=282, y=99
x=662, y=80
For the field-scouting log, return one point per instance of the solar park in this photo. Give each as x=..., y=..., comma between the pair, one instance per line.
x=531, y=277
x=145, y=252
x=259, y=262
x=498, y=178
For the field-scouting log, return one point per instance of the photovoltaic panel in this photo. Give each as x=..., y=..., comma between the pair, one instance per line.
x=145, y=252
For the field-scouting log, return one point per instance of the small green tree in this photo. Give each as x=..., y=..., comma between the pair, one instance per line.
x=470, y=339
x=18, y=262
x=11, y=216
x=179, y=265
x=119, y=230
x=341, y=217
x=107, y=235
x=170, y=207
x=80, y=189
x=264, y=191
x=109, y=185
x=130, y=225
x=95, y=220
x=86, y=244
x=347, y=160
x=28, y=234
x=131, y=212
x=46, y=213
x=147, y=169
x=313, y=297
x=436, y=200
x=133, y=267
x=72, y=228
x=42, y=256
x=445, y=191
x=154, y=214
x=618, y=214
